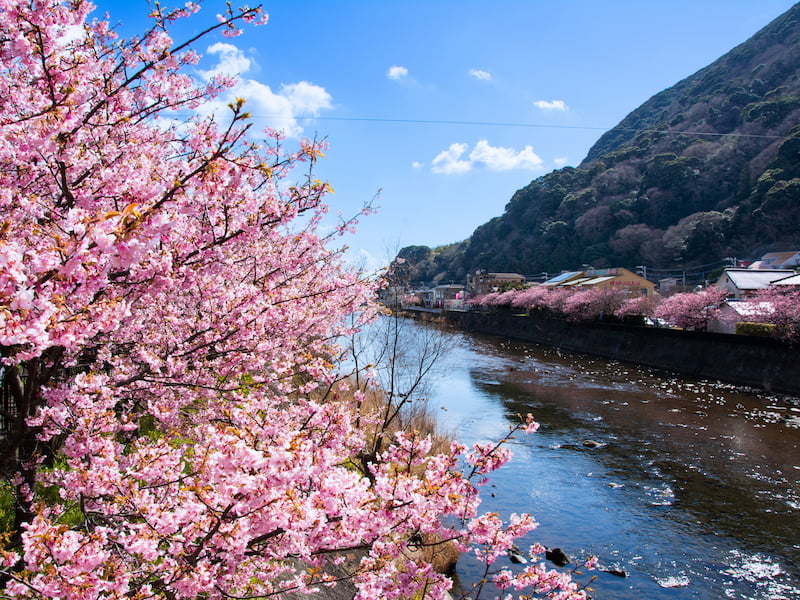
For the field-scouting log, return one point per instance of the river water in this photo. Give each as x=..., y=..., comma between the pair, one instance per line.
x=689, y=487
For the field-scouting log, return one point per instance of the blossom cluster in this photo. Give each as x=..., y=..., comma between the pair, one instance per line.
x=168, y=323
x=685, y=310
x=574, y=304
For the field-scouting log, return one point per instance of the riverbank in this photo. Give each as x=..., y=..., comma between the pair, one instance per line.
x=765, y=363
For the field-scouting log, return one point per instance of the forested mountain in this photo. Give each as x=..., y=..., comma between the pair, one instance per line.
x=706, y=169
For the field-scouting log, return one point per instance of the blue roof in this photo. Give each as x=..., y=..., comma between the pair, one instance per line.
x=562, y=277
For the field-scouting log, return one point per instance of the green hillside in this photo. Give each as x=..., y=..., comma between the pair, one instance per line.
x=706, y=169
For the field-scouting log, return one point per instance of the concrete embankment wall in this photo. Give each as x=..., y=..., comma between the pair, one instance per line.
x=764, y=363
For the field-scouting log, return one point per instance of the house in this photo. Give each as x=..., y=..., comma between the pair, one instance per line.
x=483, y=282
x=667, y=285
x=739, y=311
x=449, y=296
x=793, y=280
x=742, y=283
x=615, y=279
x=427, y=297
x=391, y=295
x=563, y=278
x=778, y=260
x=620, y=279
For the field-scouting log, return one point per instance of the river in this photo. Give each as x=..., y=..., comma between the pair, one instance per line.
x=689, y=487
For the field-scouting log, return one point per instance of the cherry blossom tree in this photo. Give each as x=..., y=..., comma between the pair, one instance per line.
x=485, y=300
x=591, y=303
x=411, y=300
x=556, y=298
x=175, y=426
x=779, y=307
x=506, y=298
x=474, y=302
x=691, y=310
x=637, y=306
x=532, y=297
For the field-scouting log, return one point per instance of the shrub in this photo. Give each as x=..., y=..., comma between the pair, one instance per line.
x=756, y=329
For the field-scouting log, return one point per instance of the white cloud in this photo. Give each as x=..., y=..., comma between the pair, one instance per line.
x=560, y=161
x=551, y=105
x=306, y=98
x=448, y=162
x=504, y=159
x=417, y=165
x=494, y=158
x=232, y=61
x=278, y=110
x=482, y=75
x=395, y=72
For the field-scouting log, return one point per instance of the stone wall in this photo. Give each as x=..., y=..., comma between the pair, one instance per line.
x=765, y=363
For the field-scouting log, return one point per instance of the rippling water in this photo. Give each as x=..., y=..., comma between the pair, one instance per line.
x=692, y=488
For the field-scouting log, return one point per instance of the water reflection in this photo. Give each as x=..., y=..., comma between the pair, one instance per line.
x=691, y=487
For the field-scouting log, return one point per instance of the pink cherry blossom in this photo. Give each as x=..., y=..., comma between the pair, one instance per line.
x=171, y=317
x=779, y=306
x=691, y=310
x=592, y=303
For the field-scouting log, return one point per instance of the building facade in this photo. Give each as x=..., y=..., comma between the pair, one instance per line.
x=616, y=279
x=483, y=282
x=743, y=283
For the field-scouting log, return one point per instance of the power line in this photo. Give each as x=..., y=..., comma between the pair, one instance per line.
x=531, y=125
x=692, y=269
x=512, y=124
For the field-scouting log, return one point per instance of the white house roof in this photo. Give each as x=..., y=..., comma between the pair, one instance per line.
x=596, y=280
x=751, y=279
x=791, y=280
x=579, y=281
x=749, y=309
x=504, y=275
x=586, y=281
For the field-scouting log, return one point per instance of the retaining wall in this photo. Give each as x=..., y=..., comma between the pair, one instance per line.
x=764, y=363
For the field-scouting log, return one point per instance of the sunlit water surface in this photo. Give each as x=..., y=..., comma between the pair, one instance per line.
x=692, y=490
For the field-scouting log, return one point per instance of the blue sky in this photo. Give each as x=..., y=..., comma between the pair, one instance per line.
x=448, y=107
